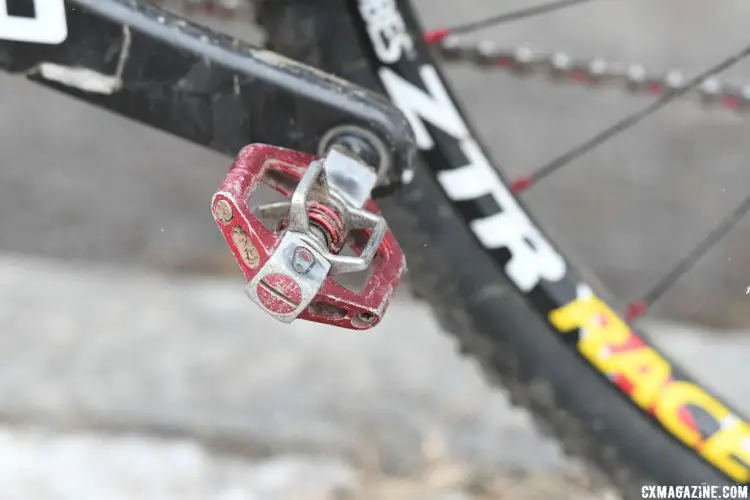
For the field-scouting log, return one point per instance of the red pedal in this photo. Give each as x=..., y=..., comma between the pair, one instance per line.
x=289, y=250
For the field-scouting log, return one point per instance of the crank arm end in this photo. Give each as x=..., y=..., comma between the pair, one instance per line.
x=153, y=66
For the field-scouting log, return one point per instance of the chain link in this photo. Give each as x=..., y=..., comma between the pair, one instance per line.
x=558, y=66
x=561, y=67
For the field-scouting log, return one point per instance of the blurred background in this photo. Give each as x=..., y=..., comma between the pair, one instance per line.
x=133, y=366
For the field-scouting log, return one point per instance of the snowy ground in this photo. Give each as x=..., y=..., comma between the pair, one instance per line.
x=39, y=465
x=95, y=353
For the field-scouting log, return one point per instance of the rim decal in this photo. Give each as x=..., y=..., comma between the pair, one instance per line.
x=502, y=226
x=686, y=410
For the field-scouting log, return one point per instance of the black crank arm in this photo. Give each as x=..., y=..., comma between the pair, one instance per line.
x=153, y=66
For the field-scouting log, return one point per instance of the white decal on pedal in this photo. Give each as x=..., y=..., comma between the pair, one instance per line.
x=49, y=26
x=532, y=257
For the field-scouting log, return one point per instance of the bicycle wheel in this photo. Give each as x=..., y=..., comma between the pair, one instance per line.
x=499, y=284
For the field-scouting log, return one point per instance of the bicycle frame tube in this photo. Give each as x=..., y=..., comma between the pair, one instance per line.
x=153, y=66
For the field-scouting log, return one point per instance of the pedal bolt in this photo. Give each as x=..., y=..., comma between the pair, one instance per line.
x=223, y=211
x=363, y=319
x=303, y=260
x=279, y=293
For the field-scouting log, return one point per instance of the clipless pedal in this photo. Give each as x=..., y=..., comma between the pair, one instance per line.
x=291, y=250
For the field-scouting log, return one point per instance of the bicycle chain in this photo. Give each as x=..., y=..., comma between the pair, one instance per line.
x=594, y=73
x=558, y=66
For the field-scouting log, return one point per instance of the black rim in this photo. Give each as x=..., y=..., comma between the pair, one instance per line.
x=552, y=286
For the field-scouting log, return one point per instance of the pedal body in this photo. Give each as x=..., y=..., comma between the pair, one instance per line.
x=289, y=251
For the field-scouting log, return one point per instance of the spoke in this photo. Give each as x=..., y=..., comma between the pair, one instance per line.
x=665, y=283
x=626, y=123
x=437, y=35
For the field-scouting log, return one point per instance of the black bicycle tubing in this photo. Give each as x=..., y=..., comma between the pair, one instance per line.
x=475, y=301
